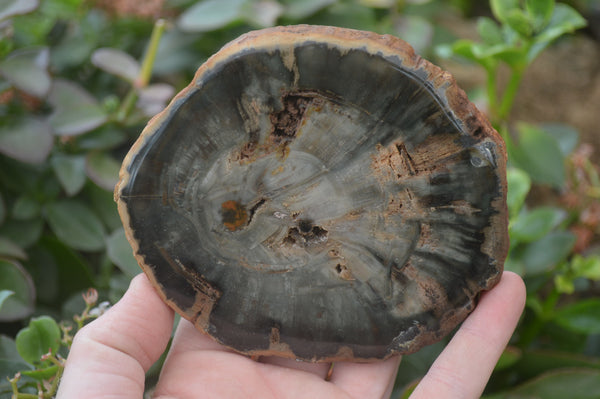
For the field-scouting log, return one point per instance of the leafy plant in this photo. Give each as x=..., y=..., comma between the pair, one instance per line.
x=525, y=30
x=61, y=135
x=34, y=361
x=79, y=80
x=558, y=318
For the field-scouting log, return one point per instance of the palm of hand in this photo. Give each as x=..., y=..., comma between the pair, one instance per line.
x=219, y=373
x=110, y=356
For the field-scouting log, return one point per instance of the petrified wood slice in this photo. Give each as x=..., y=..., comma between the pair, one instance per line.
x=318, y=193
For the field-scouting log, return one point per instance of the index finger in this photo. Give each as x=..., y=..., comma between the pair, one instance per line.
x=109, y=357
x=464, y=367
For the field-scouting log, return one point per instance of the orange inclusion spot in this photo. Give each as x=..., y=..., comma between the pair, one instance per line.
x=234, y=215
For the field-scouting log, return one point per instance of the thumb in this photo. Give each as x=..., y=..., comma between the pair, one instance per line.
x=110, y=356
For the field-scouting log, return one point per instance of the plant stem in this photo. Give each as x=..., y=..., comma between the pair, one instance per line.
x=508, y=97
x=15, y=389
x=145, y=72
x=533, y=329
x=492, y=94
x=150, y=56
x=56, y=381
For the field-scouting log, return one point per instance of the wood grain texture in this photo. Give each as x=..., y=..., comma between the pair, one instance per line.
x=318, y=193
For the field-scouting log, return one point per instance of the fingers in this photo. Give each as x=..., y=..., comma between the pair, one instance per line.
x=366, y=380
x=464, y=367
x=109, y=357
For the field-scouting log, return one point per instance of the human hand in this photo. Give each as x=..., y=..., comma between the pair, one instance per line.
x=109, y=357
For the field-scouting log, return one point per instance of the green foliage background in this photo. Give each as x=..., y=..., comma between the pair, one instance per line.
x=80, y=79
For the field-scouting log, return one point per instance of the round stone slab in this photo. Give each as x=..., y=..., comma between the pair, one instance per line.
x=318, y=193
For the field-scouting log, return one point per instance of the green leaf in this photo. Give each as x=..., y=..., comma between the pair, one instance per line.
x=350, y=15
x=564, y=20
x=26, y=139
x=520, y=22
x=415, y=30
x=9, y=249
x=501, y=8
x=514, y=265
x=11, y=8
x=262, y=13
x=519, y=185
x=61, y=8
x=16, y=279
x=76, y=225
x=9, y=368
x=443, y=51
x=48, y=189
x=106, y=137
x=37, y=339
x=25, y=208
x=511, y=36
x=8, y=349
x=3, y=295
x=2, y=209
x=533, y=225
x=538, y=154
x=74, y=273
x=509, y=357
x=475, y=52
x=588, y=267
x=121, y=254
x=70, y=171
x=581, y=317
x=27, y=70
x=416, y=365
x=540, y=11
x=559, y=384
x=566, y=136
x=118, y=285
x=486, y=55
x=75, y=110
x=564, y=284
x=176, y=52
x=302, y=9
x=377, y=3
x=489, y=31
x=24, y=233
x=536, y=362
x=468, y=49
x=18, y=176
x=44, y=272
x=513, y=56
x=79, y=41
x=408, y=390
x=540, y=256
x=102, y=169
x=117, y=62
x=153, y=98
x=210, y=15
x=42, y=373
x=103, y=203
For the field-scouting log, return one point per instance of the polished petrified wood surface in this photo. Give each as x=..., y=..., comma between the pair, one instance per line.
x=318, y=193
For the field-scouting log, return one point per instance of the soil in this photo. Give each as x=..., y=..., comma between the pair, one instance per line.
x=137, y=8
